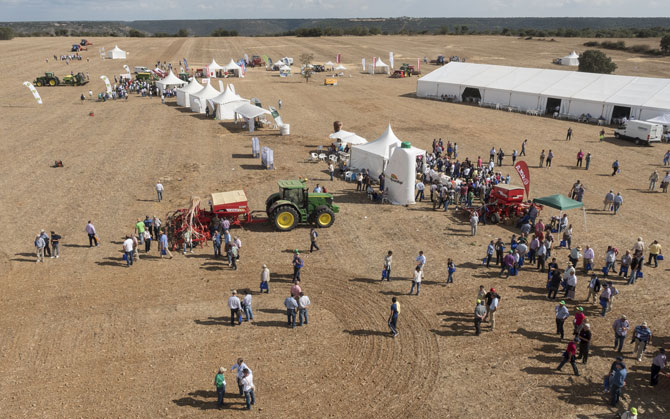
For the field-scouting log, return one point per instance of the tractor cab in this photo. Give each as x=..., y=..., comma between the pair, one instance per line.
x=294, y=191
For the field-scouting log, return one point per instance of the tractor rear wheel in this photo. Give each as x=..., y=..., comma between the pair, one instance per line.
x=285, y=218
x=52, y=82
x=495, y=218
x=324, y=218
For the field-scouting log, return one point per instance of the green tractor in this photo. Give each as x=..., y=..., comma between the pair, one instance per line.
x=78, y=79
x=294, y=204
x=47, y=80
x=146, y=76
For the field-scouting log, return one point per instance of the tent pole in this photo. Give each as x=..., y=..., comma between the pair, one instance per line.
x=584, y=211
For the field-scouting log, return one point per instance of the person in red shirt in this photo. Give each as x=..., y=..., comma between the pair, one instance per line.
x=569, y=356
x=579, y=320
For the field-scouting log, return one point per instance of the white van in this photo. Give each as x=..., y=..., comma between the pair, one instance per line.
x=641, y=132
x=140, y=69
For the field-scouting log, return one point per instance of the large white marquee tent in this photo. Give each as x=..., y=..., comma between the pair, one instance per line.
x=226, y=103
x=567, y=92
x=183, y=94
x=213, y=67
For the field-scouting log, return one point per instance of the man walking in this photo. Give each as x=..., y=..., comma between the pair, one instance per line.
x=234, y=304
x=393, y=317
x=585, y=337
x=297, y=265
x=388, y=260
x=569, y=356
x=523, y=148
x=654, y=251
x=652, y=180
x=618, y=202
x=641, y=337
x=594, y=288
x=164, y=247
x=474, y=220
x=620, y=327
x=568, y=137
x=312, y=236
x=615, y=167
x=617, y=381
x=416, y=281
x=159, y=191
x=128, y=245
x=489, y=253
x=246, y=306
x=303, y=306
x=265, y=279
x=92, y=237
x=291, y=306
x=480, y=313
x=657, y=366
x=562, y=313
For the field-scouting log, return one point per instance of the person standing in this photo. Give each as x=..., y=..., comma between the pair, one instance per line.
x=164, y=246
x=594, y=288
x=514, y=156
x=291, y=306
x=652, y=180
x=421, y=261
x=39, y=248
x=296, y=290
x=248, y=388
x=550, y=157
x=303, y=306
x=265, y=279
x=641, y=337
x=297, y=265
x=359, y=182
x=489, y=253
x=147, y=241
x=492, y=308
x=246, y=306
x=588, y=161
x=474, y=220
x=419, y=191
x=416, y=281
x=542, y=156
x=569, y=356
x=240, y=367
x=92, y=236
x=585, y=337
x=579, y=321
x=451, y=269
x=216, y=240
x=388, y=260
x=617, y=381
x=615, y=167
x=45, y=237
x=654, y=251
x=605, y=299
x=128, y=246
x=568, y=137
x=508, y=263
x=159, y=190
x=331, y=171
x=157, y=227
x=609, y=201
x=312, y=236
x=657, y=366
x=55, y=244
x=554, y=282
x=580, y=158
x=523, y=148
x=562, y=313
x=480, y=314
x=220, y=384
x=393, y=317
x=234, y=304
x=541, y=256
x=500, y=252
x=618, y=202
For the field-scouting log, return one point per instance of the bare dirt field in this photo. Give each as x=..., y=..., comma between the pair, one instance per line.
x=84, y=336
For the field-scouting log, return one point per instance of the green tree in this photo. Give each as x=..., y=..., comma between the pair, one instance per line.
x=594, y=61
x=665, y=44
x=306, y=60
x=182, y=33
x=134, y=33
x=6, y=34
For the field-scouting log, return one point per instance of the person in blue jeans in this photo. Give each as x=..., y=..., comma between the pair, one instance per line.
x=303, y=306
x=220, y=384
x=617, y=381
x=128, y=250
x=248, y=388
x=416, y=281
x=393, y=317
x=216, y=238
x=297, y=265
x=246, y=306
x=451, y=268
x=291, y=306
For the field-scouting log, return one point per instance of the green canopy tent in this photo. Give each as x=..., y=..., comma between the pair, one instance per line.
x=561, y=203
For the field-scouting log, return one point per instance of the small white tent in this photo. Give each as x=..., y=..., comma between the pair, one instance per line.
x=233, y=69
x=117, y=53
x=183, y=94
x=340, y=67
x=198, y=100
x=226, y=103
x=400, y=174
x=213, y=67
x=170, y=81
x=661, y=119
x=346, y=137
x=571, y=60
x=374, y=155
x=379, y=67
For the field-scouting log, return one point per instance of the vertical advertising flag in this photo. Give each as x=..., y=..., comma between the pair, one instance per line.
x=32, y=89
x=418, y=64
x=107, y=84
x=391, y=59
x=125, y=67
x=374, y=64
x=363, y=61
x=338, y=58
x=522, y=169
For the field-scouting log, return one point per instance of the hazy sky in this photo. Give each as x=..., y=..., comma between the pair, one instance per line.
x=17, y=10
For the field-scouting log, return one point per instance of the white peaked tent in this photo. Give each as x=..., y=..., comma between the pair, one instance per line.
x=213, y=67
x=346, y=137
x=572, y=59
x=400, y=174
x=183, y=94
x=226, y=103
x=117, y=53
x=379, y=67
x=329, y=64
x=170, y=81
x=340, y=67
x=374, y=155
x=198, y=100
x=661, y=119
x=232, y=68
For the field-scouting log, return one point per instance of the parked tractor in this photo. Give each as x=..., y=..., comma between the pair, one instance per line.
x=256, y=61
x=409, y=70
x=84, y=43
x=47, y=80
x=78, y=79
x=293, y=204
x=146, y=77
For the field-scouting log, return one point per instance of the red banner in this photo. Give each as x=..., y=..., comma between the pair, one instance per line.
x=338, y=58
x=522, y=169
x=418, y=64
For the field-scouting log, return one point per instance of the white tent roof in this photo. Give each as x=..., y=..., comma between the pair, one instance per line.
x=192, y=87
x=231, y=66
x=340, y=67
x=573, y=54
x=213, y=66
x=663, y=119
x=227, y=96
x=171, y=80
x=250, y=111
x=374, y=155
x=329, y=63
x=116, y=49
x=207, y=92
x=380, y=63
x=348, y=137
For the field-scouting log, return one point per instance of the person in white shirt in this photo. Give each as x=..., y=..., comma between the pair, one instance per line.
x=618, y=202
x=234, y=304
x=609, y=199
x=303, y=305
x=128, y=246
x=265, y=279
x=159, y=191
x=240, y=366
x=474, y=220
x=419, y=191
x=246, y=306
x=39, y=248
x=248, y=388
x=416, y=281
x=331, y=170
x=388, y=261
x=493, y=307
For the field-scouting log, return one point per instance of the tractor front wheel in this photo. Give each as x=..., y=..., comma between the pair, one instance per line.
x=38, y=84
x=52, y=82
x=495, y=218
x=285, y=218
x=324, y=218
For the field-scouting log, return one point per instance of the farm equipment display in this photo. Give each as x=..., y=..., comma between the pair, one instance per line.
x=85, y=43
x=292, y=205
x=185, y=77
x=77, y=48
x=148, y=76
x=398, y=74
x=409, y=70
x=505, y=204
x=48, y=79
x=78, y=79
x=256, y=61
x=438, y=61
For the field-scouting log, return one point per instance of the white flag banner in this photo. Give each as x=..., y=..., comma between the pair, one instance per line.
x=109, y=86
x=125, y=67
x=363, y=60
x=36, y=95
x=391, y=59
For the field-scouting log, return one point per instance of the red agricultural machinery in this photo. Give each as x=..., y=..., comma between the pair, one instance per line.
x=505, y=204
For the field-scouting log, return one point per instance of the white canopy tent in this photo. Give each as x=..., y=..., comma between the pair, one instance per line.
x=116, y=53
x=374, y=155
x=661, y=119
x=198, y=100
x=329, y=64
x=379, y=67
x=571, y=93
x=226, y=103
x=213, y=67
x=340, y=67
x=232, y=68
x=346, y=137
x=571, y=60
x=249, y=112
x=400, y=174
x=183, y=94
x=170, y=81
